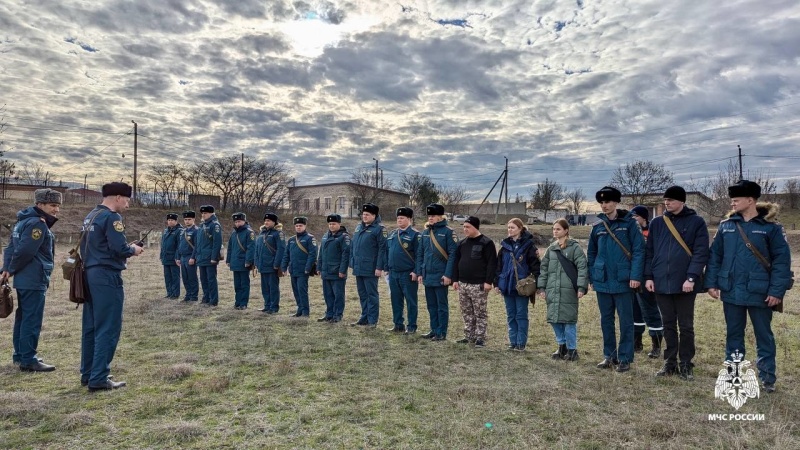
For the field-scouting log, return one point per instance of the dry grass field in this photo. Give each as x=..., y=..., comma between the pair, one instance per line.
x=221, y=378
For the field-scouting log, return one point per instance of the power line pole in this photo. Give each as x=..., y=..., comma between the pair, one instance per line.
x=506, y=183
x=135, y=156
x=241, y=199
x=741, y=175
x=84, y=187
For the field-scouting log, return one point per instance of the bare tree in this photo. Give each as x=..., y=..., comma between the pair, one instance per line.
x=547, y=196
x=166, y=181
x=452, y=196
x=223, y=177
x=715, y=187
x=640, y=178
x=266, y=183
x=577, y=198
x=420, y=189
x=792, y=190
x=34, y=173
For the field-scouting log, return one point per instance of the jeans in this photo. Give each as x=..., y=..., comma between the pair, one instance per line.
x=623, y=305
x=677, y=310
x=517, y=318
x=566, y=333
x=761, y=318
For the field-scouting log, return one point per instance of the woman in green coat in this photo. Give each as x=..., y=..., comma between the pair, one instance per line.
x=562, y=287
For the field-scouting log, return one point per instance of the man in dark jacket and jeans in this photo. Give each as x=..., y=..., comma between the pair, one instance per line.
x=473, y=274
x=673, y=268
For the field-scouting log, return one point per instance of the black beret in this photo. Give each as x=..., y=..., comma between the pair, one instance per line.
x=744, y=188
x=117, y=188
x=189, y=215
x=608, y=194
x=271, y=216
x=676, y=193
x=474, y=221
x=207, y=208
x=334, y=218
x=172, y=216
x=434, y=209
x=300, y=219
x=405, y=212
x=370, y=208
x=239, y=216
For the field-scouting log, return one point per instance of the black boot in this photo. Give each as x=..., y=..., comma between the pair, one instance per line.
x=637, y=343
x=572, y=355
x=655, y=352
x=560, y=353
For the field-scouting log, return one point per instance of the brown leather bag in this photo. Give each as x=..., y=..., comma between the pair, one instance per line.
x=6, y=300
x=78, y=290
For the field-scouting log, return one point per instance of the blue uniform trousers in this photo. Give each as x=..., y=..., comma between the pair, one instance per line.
x=368, y=296
x=27, y=325
x=300, y=291
x=190, y=283
x=761, y=318
x=517, y=318
x=333, y=291
x=208, y=279
x=401, y=287
x=172, y=280
x=438, y=309
x=270, y=291
x=241, y=287
x=623, y=305
x=102, y=324
x=645, y=312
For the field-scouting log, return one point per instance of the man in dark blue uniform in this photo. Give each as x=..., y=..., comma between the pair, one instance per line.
x=29, y=259
x=207, y=253
x=402, y=254
x=186, y=238
x=368, y=259
x=434, y=268
x=334, y=257
x=105, y=253
x=240, y=258
x=298, y=260
x=269, y=249
x=169, y=247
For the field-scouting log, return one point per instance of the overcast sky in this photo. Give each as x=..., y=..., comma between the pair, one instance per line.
x=565, y=89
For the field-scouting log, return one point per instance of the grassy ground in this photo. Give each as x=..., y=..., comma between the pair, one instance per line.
x=221, y=378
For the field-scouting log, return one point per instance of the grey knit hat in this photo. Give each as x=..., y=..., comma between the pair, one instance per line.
x=47, y=196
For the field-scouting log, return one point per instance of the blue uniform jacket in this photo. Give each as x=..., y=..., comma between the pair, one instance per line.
x=667, y=263
x=170, y=240
x=735, y=271
x=29, y=254
x=368, y=251
x=528, y=262
x=104, y=242
x=241, y=248
x=208, y=242
x=431, y=265
x=334, y=254
x=398, y=260
x=610, y=271
x=269, y=249
x=296, y=261
x=186, y=238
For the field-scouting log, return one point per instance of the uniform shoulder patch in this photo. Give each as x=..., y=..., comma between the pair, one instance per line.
x=313, y=240
x=36, y=234
x=280, y=236
x=216, y=228
x=385, y=232
x=455, y=238
x=597, y=223
x=118, y=226
x=252, y=235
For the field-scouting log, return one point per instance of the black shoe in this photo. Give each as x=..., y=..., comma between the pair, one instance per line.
x=397, y=329
x=174, y=297
x=623, y=367
x=336, y=320
x=38, y=366
x=167, y=296
x=438, y=338
x=511, y=347
x=769, y=388
x=265, y=310
x=520, y=347
x=108, y=386
x=358, y=324
x=655, y=352
x=572, y=355
x=85, y=383
x=372, y=325
x=463, y=341
x=667, y=371
x=479, y=343
x=428, y=335
x=686, y=372
x=324, y=319
x=297, y=314
x=637, y=343
x=607, y=363
x=560, y=353
x=410, y=331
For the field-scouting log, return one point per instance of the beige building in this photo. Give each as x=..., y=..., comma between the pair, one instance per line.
x=343, y=198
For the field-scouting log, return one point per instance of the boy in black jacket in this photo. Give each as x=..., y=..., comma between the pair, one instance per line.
x=473, y=274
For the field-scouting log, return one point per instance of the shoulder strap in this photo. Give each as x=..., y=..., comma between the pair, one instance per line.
x=186, y=237
x=676, y=235
x=753, y=249
x=436, y=243
x=266, y=242
x=238, y=241
x=300, y=244
x=569, y=268
x=613, y=236
x=400, y=243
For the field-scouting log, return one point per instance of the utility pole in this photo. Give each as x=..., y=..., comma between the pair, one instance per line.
x=84, y=188
x=741, y=175
x=135, y=156
x=376, y=172
x=381, y=178
x=241, y=199
x=506, y=183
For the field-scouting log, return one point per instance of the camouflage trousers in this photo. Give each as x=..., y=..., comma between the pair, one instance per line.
x=472, y=299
